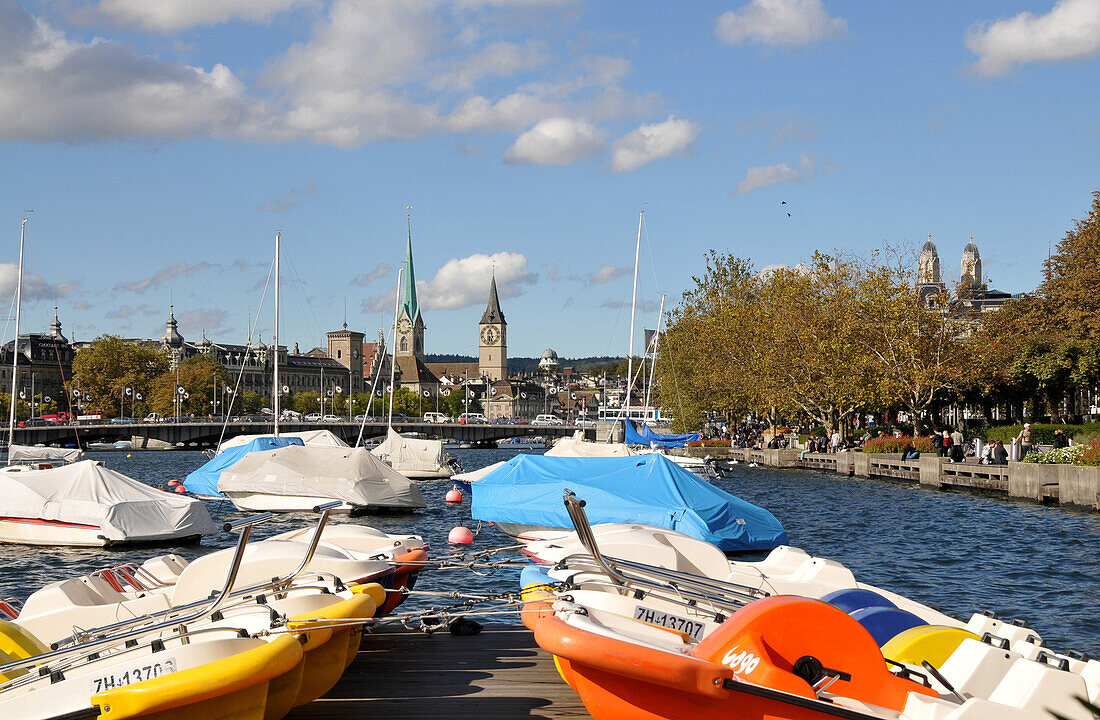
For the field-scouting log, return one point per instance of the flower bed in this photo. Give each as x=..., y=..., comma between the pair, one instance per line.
x=891, y=444
x=1062, y=456
x=710, y=443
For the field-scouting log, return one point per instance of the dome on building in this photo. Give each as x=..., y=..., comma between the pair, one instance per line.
x=549, y=360
x=971, y=268
x=171, y=336
x=928, y=271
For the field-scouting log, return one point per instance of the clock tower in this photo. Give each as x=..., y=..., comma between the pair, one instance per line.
x=410, y=324
x=493, y=338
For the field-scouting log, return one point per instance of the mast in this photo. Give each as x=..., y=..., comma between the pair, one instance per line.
x=633, y=304
x=393, y=361
x=15, y=344
x=278, y=388
x=653, y=365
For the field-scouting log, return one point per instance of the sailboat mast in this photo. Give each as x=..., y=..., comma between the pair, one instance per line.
x=653, y=365
x=633, y=304
x=393, y=352
x=278, y=388
x=15, y=344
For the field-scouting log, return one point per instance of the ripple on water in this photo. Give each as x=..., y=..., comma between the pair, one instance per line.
x=956, y=551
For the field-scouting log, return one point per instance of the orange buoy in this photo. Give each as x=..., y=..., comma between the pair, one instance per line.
x=454, y=495
x=460, y=536
x=173, y=483
x=181, y=489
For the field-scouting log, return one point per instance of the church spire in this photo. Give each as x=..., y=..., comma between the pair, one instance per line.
x=408, y=284
x=493, y=313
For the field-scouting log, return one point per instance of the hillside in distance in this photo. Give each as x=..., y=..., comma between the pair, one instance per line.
x=528, y=365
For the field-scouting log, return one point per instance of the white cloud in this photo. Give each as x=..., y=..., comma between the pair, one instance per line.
x=173, y=15
x=500, y=59
x=58, y=89
x=34, y=287
x=1070, y=31
x=366, y=279
x=154, y=280
x=644, y=305
x=555, y=141
x=463, y=282
x=289, y=201
x=365, y=72
x=779, y=22
x=607, y=273
x=758, y=177
x=652, y=142
x=195, y=322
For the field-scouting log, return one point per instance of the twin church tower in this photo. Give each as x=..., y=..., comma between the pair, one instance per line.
x=409, y=353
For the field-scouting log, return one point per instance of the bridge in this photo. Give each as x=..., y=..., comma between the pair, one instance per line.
x=199, y=434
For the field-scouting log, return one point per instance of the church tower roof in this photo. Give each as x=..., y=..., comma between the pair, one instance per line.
x=493, y=313
x=55, y=328
x=408, y=284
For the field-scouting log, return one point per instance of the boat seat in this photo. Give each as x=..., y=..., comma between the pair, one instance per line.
x=926, y=643
x=1041, y=690
x=851, y=599
x=165, y=568
x=103, y=589
x=824, y=572
x=1091, y=675
x=783, y=560
x=980, y=624
x=977, y=667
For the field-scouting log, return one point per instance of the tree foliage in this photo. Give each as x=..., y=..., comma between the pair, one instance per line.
x=109, y=366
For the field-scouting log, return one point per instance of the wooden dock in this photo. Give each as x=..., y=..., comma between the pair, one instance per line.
x=499, y=674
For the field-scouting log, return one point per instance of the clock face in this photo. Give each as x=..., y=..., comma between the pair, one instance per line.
x=490, y=335
x=404, y=325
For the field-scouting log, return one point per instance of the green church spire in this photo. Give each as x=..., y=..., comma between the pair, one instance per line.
x=408, y=285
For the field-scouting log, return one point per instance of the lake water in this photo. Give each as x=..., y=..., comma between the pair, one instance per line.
x=958, y=552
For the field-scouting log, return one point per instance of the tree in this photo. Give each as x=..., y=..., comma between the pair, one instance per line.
x=202, y=379
x=911, y=337
x=110, y=365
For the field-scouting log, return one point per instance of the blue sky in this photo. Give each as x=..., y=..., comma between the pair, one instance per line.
x=162, y=143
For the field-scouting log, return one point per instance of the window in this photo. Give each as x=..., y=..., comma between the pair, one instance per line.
x=404, y=345
x=338, y=354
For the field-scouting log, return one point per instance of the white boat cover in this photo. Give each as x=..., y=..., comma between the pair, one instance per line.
x=411, y=454
x=38, y=453
x=87, y=493
x=475, y=475
x=316, y=438
x=341, y=473
x=577, y=446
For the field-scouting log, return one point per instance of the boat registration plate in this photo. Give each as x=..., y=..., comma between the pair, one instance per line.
x=138, y=672
x=670, y=621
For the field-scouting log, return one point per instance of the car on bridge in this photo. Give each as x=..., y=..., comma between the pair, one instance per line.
x=313, y=417
x=36, y=422
x=545, y=420
x=332, y=419
x=436, y=417
x=122, y=420
x=473, y=418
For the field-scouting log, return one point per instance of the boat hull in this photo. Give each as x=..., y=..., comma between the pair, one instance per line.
x=263, y=502
x=28, y=531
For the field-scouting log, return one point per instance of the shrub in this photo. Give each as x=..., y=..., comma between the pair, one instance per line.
x=891, y=444
x=709, y=443
x=1042, y=434
x=1063, y=456
x=1090, y=454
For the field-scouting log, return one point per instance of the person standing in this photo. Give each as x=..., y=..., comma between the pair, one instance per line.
x=1025, y=441
x=835, y=441
x=1060, y=440
x=937, y=443
x=958, y=446
x=945, y=446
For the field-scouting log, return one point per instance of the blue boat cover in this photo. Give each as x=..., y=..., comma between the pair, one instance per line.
x=647, y=437
x=648, y=489
x=204, y=481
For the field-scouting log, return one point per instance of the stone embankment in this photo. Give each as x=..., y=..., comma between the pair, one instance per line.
x=1069, y=485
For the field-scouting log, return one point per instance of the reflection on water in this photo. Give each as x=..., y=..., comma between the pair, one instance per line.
x=958, y=552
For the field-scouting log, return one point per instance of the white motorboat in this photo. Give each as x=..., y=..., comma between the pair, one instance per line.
x=297, y=478
x=577, y=446
x=87, y=504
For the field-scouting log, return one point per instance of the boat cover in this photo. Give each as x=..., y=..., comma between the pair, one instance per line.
x=87, y=493
x=204, y=481
x=648, y=438
x=349, y=474
x=473, y=476
x=649, y=489
x=577, y=446
x=37, y=453
x=325, y=438
x=411, y=454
